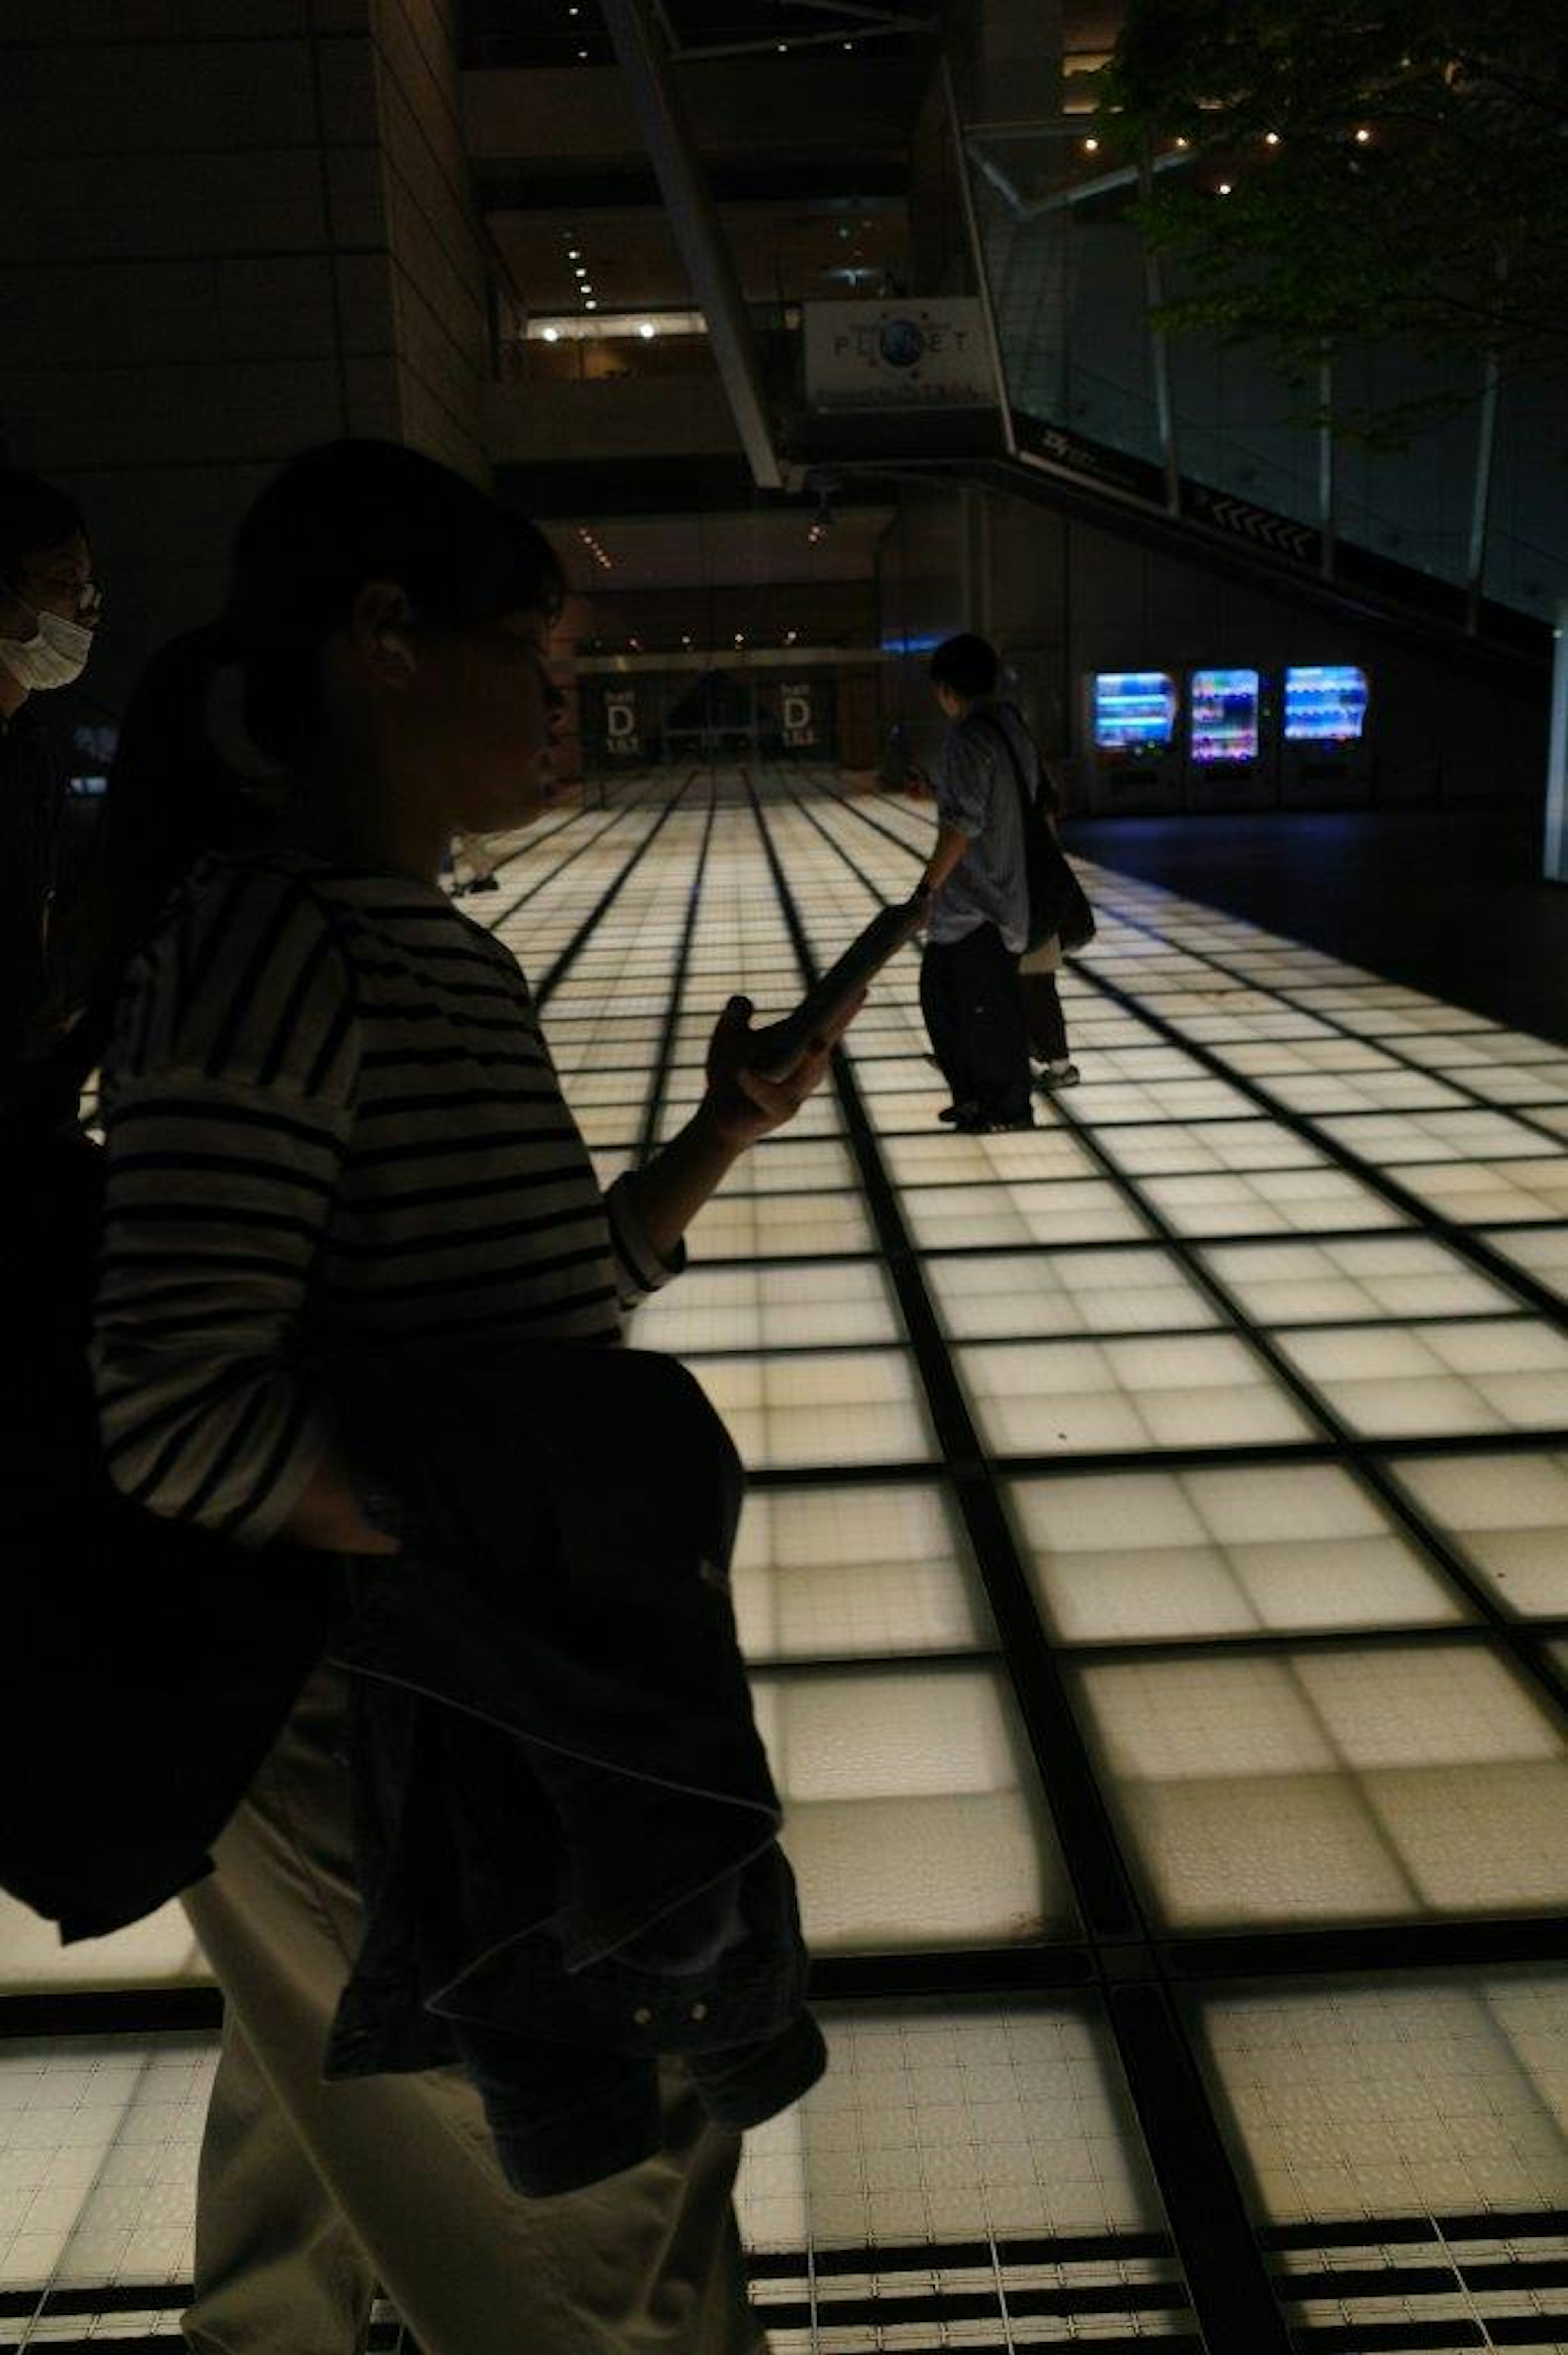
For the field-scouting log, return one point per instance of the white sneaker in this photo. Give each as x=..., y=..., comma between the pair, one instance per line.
x=1058, y=1075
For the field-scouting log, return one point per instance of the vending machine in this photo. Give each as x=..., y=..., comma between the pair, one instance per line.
x=1129, y=729
x=1230, y=746
x=1325, y=760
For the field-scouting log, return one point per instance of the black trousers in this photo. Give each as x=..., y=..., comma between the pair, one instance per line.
x=973, y=1006
x=1043, y=1012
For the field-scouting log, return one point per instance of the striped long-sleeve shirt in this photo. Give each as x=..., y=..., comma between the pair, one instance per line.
x=330, y=1117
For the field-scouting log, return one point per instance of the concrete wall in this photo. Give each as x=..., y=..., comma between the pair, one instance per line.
x=228, y=229
x=1062, y=599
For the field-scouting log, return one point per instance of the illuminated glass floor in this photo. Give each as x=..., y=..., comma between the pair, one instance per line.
x=1156, y=1581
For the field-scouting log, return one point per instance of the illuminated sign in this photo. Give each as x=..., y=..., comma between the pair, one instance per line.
x=1224, y=715
x=1135, y=711
x=1325, y=703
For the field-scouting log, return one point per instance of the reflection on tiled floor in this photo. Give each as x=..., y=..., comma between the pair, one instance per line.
x=1264, y=1324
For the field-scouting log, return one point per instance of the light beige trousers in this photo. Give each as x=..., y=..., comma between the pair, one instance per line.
x=310, y=2194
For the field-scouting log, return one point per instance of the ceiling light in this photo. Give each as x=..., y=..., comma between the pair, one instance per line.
x=783, y=48
x=647, y=331
x=1224, y=189
x=849, y=45
x=1271, y=138
x=740, y=637
x=590, y=306
x=584, y=288
x=686, y=638
x=1362, y=135
x=582, y=53
x=574, y=253
x=1091, y=147
x=551, y=334
x=1183, y=142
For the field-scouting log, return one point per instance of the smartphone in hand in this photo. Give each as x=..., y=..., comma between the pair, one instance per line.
x=778, y=1046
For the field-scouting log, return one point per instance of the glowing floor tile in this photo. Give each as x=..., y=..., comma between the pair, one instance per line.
x=1372, y=1097
x=912, y=1812
x=875, y=1569
x=99, y=2144
x=1552, y=1116
x=1283, y=1201
x=1159, y=1555
x=1486, y=1193
x=931, y=2126
x=1506, y=1515
x=1329, y=1283
x=783, y=1164
x=1401, y=2099
x=1070, y=1210
x=1490, y=1375
x=1097, y=1100
x=779, y=1226
x=605, y=1127
x=1542, y=1251
x=831, y=1407
x=824, y=1305
x=1387, y=1139
x=1052, y=1398
x=1168, y=1150
x=161, y=1951
x=1368, y=1783
x=1007, y=1294
x=1048, y=1151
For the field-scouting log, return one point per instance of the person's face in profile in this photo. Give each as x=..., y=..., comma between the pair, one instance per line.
x=502, y=711
x=56, y=580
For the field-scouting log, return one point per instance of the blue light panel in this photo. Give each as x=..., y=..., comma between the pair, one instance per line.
x=1224, y=715
x=1134, y=708
x=1325, y=703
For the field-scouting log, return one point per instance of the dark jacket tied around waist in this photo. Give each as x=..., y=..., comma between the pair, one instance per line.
x=566, y=1823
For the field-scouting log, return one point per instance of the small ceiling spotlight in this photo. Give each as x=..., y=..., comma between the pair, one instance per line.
x=574, y=253
x=790, y=637
x=1271, y=138
x=590, y=306
x=1362, y=135
x=647, y=331
x=686, y=637
x=1183, y=142
x=1091, y=147
x=1224, y=189
x=551, y=334
x=740, y=637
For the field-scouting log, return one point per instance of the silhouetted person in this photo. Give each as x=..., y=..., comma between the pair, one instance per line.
x=970, y=991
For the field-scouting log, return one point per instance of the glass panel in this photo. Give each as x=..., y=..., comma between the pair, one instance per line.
x=1085, y=1210
x=1542, y=1251
x=158, y=1951
x=98, y=2142
x=1180, y=1554
x=1072, y=1397
x=913, y=1814
x=1507, y=1514
x=1321, y=1284
x=828, y=1407
x=1170, y=1151
x=1372, y=1784
x=1503, y=1374
x=1306, y=1201
x=1479, y=1193
x=779, y=1226
x=997, y=1295
x=824, y=1303
x=955, y=2126
x=1346, y=2103
x=855, y=1571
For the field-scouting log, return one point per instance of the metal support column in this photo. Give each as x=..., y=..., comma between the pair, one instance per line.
x=1327, y=485
x=1480, y=509
x=977, y=256
x=695, y=220
x=1556, y=862
x=1160, y=350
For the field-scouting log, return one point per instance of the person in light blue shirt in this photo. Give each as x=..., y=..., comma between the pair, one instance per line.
x=970, y=991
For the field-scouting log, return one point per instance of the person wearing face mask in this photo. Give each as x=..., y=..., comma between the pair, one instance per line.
x=48, y=611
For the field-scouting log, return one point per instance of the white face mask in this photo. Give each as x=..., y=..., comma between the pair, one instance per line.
x=54, y=655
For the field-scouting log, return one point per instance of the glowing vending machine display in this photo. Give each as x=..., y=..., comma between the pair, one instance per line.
x=1224, y=717
x=1134, y=710
x=1325, y=703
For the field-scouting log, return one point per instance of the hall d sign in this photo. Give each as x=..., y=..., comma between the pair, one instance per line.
x=620, y=722
x=795, y=713
x=897, y=356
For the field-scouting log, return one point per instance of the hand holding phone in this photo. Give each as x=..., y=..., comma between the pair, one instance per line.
x=778, y=1046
